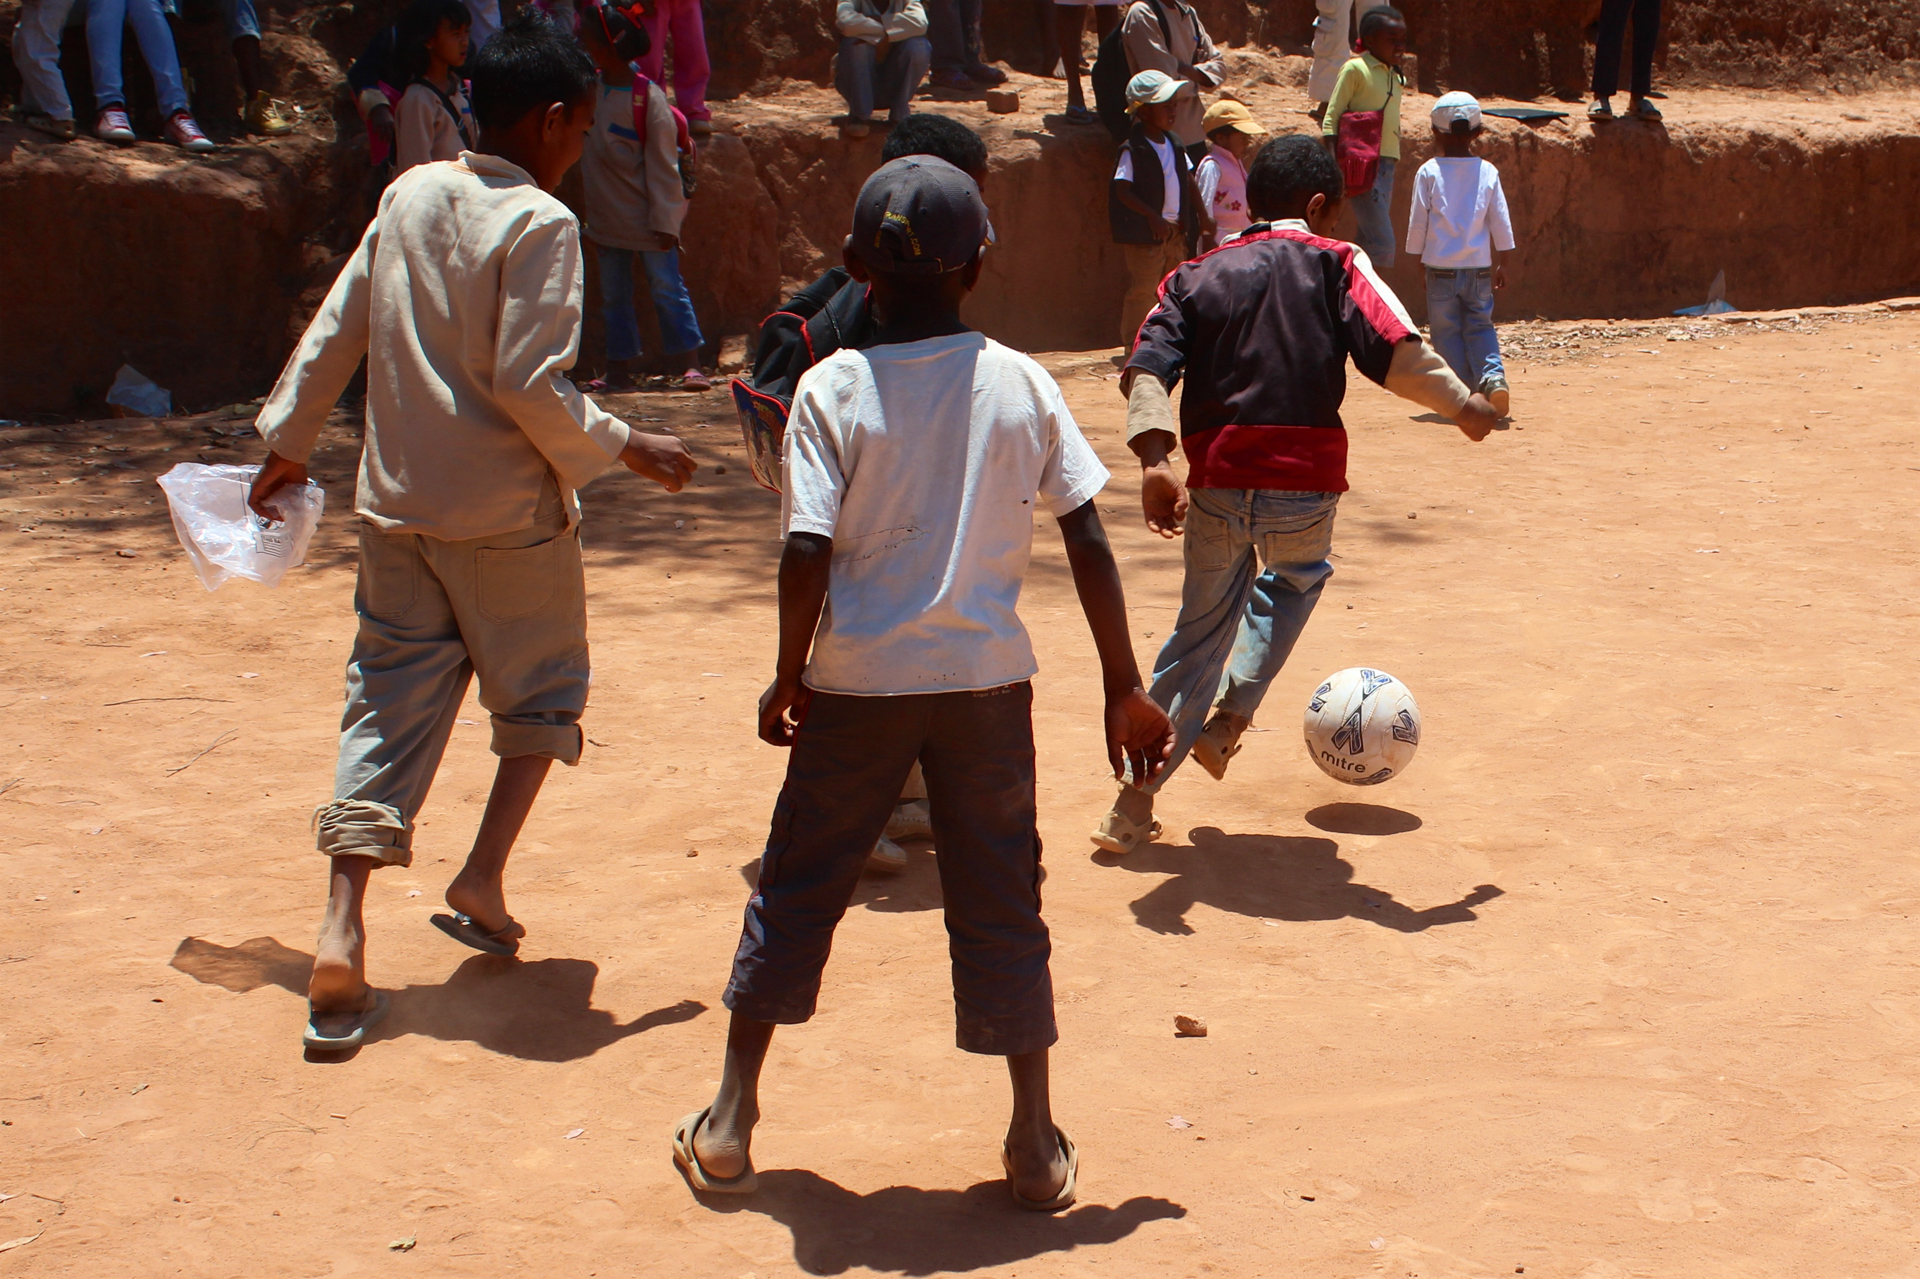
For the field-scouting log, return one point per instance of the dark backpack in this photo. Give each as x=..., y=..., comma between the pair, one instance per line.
x=815, y=322
x=1111, y=72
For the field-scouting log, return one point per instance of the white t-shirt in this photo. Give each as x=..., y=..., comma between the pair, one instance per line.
x=1459, y=214
x=1169, y=176
x=922, y=461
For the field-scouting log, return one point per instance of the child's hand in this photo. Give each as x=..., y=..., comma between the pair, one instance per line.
x=1163, y=498
x=1477, y=418
x=275, y=474
x=1500, y=277
x=1139, y=735
x=1164, y=230
x=776, y=726
x=661, y=458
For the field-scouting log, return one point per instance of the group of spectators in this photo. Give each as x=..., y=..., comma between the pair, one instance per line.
x=46, y=106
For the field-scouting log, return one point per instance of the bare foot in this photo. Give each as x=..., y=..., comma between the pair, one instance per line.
x=338, y=988
x=484, y=901
x=722, y=1143
x=1039, y=1166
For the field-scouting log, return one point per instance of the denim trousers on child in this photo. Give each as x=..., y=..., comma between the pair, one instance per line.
x=851, y=756
x=1460, y=318
x=672, y=306
x=106, y=19
x=1236, y=625
x=865, y=78
x=512, y=609
x=1373, y=217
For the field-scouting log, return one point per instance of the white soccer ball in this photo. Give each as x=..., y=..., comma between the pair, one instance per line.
x=1363, y=726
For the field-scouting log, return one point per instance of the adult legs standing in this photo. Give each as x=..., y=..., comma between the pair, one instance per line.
x=105, y=19
x=1070, y=22
x=1611, y=39
x=36, y=52
x=691, y=67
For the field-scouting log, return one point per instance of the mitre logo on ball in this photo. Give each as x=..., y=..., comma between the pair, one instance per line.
x=1362, y=726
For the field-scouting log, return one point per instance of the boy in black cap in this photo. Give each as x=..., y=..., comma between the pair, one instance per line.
x=911, y=472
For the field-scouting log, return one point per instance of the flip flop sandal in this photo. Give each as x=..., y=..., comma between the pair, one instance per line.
x=744, y=1182
x=463, y=930
x=366, y=1019
x=1116, y=834
x=1064, y=1199
x=1600, y=109
x=696, y=382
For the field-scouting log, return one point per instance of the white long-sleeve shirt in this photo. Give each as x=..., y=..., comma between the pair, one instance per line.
x=1459, y=214
x=465, y=296
x=877, y=20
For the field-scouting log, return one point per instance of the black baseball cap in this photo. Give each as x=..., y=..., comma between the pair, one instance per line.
x=919, y=215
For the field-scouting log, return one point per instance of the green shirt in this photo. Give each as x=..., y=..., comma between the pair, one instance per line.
x=1367, y=84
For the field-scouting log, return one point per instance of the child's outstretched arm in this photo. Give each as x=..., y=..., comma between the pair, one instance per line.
x=804, y=570
x=1139, y=734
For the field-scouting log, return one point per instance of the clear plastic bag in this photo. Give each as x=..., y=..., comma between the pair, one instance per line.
x=224, y=538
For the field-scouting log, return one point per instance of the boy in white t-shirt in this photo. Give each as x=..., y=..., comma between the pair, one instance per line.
x=1460, y=231
x=912, y=469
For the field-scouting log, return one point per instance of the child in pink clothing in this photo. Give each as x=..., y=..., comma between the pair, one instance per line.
x=691, y=70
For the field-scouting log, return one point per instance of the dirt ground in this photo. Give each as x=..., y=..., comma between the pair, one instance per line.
x=1618, y=980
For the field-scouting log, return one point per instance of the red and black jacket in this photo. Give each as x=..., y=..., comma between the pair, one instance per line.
x=1261, y=328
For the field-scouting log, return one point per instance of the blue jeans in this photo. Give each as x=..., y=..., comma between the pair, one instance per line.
x=679, y=328
x=242, y=19
x=1460, y=317
x=1237, y=626
x=865, y=77
x=1373, y=212
x=105, y=21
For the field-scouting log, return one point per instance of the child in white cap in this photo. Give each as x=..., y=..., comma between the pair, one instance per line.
x=1152, y=203
x=1460, y=231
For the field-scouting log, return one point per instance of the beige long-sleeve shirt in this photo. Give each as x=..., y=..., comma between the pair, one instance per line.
x=465, y=297
x=423, y=130
x=634, y=196
x=1185, y=45
x=877, y=20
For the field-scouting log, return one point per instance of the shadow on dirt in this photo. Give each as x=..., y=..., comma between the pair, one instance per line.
x=540, y=1010
x=909, y=1231
x=1362, y=819
x=1292, y=877
x=916, y=887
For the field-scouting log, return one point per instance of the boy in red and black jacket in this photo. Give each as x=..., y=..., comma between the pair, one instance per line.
x=1261, y=328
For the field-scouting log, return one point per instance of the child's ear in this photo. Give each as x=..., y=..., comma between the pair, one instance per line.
x=851, y=260
x=1315, y=203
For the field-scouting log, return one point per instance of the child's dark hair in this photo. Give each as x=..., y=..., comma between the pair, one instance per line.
x=1288, y=172
x=1460, y=129
x=928, y=133
x=529, y=65
x=1384, y=15
x=628, y=38
x=419, y=24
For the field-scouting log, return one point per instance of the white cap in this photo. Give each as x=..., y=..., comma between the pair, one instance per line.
x=1155, y=86
x=1456, y=106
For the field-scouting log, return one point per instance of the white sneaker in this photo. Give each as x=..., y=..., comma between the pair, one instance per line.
x=911, y=819
x=887, y=858
x=114, y=125
x=185, y=134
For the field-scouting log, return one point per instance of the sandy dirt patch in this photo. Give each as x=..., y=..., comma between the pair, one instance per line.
x=1617, y=980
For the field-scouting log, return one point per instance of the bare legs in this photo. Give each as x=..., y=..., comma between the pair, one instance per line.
x=724, y=1141
x=1069, y=22
x=339, y=982
x=477, y=891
